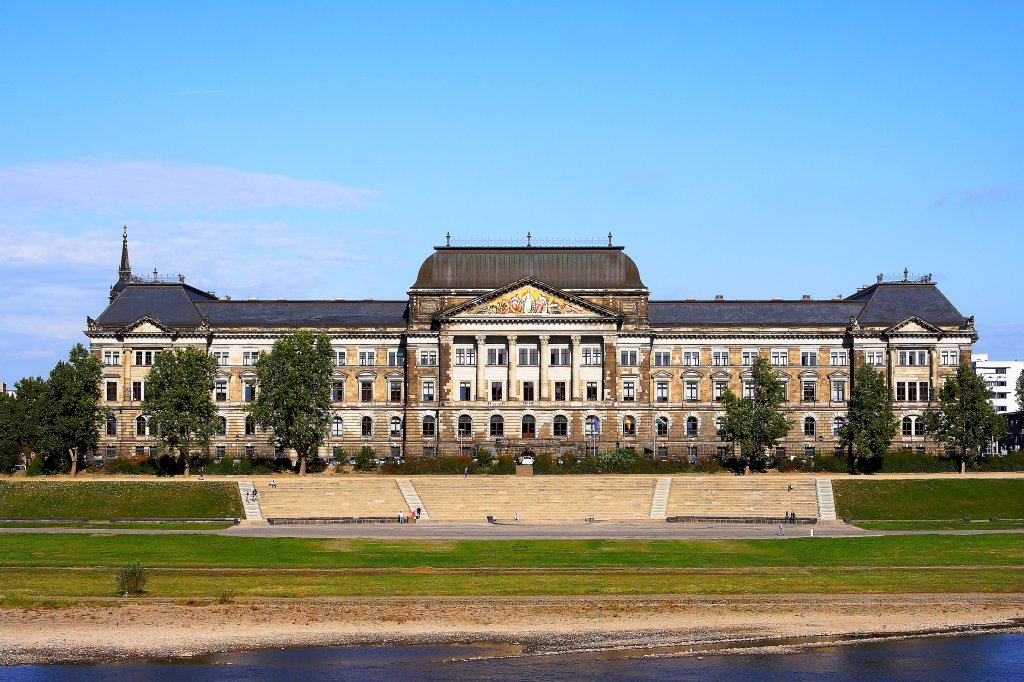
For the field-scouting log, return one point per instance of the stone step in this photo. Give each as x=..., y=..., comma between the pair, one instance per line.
x=826, y=499
x=249, y=505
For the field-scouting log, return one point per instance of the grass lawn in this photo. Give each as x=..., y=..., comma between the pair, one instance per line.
x=941, y=525
x=154, y=525
x=929, y=499
x=112, y=499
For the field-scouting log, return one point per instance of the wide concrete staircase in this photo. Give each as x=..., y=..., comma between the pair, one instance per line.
x=249, y=505
x=742, y=497
x=356, y=496
x=537, y=499
x=826, y=500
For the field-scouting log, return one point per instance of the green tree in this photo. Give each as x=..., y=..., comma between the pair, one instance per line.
x=869, y=424
x=31, y=414
x=10, y=451
x=965, y=419
x=73, y=412
x=293, y=394
x=1019, y=390
x=178, y=400
x=758, y=422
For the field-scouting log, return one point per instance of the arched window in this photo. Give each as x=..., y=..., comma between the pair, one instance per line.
x=661, y=426
x=919, y=426
x=396, y=427
x=836, y=423
x=907, y=427
x=809, y=426
x=691, y=427
x=250, y=426
x=141, y=426
x=497, y=426
x=429, y=426
x=719, y=422
x=111, y=426
x=465, y=426
x=629, y=425
x=561, y=427
x=529, y=426
x=337, y=427
x=366, y=427
x=591, y=426
x=222, y=426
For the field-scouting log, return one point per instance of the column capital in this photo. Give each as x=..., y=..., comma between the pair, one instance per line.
x=512, y=338
x=544, y=338
x=575, y=338
x=480, y=338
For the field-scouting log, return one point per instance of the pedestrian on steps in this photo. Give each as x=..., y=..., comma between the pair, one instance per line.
x=516, y=517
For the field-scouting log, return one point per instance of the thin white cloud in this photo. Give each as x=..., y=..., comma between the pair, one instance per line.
x=117, y=187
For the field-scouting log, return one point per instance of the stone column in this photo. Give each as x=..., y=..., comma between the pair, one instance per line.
x=512, y=361
x=544, y=367
x=574, y=375
x=481, y=359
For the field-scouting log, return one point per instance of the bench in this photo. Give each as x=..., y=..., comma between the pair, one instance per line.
x=491, y=519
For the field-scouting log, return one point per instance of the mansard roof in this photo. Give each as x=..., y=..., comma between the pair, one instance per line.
x=572, y=268
x=890, y=303
x=171, y=304
x=304, y=313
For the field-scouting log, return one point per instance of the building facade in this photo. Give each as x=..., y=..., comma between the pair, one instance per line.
x=1001, y=379
x=540, y=349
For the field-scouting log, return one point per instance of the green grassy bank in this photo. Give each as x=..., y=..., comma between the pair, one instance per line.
x=929, y=499
x=114, y=499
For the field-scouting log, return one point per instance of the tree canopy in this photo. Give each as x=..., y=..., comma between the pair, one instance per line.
x=293, y=392
x=965, y=419
x=178, y=400
x=756, y=422
x=869, y=425
x=73, y=411
x=1019, y=390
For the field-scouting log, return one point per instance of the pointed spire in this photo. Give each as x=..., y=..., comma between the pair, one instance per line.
x=125, y=271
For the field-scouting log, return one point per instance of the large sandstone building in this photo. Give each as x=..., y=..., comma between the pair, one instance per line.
x=540, y=349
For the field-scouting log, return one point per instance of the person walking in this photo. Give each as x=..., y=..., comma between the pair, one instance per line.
x=780, y=531
x=516, y=517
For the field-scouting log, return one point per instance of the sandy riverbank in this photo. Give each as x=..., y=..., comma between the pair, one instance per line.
x=161, y=629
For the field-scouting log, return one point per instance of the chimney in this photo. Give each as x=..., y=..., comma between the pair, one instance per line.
x=805, y=297
x=719, y=297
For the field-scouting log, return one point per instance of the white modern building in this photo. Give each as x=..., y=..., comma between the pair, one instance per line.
x=1001, y=378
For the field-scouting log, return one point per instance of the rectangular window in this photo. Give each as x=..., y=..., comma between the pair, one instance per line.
x=720, y=388
x=559, y=390
x=249, y=391
x=365, y=391
x=661, y=392
x=720, y=358
x=913, y=358
x=592, y=357
x=138, y=393
x=111, y=357
x=339, y=358
x=338, y=391
x=627, y=358
x=808, y=391
x=529, y=357
x=428, y=391
x=428, y=358
x=838, y=391
x=875, y=358
x=950, y=358
x=662, y=358
x=465, y=391
x=496, y=357
x=837, y=358
x=221, y=357
x=591, y=390
x=747, y=357
x=901, y=390
x=395, y=391
x=628, y=391
x=528, y=390
x=250, y=451
x=367, y=358
x=220, y=390
x=396, y=358
x=748, y=389
x=111, y=391
x=143, y=357
x=691, y=389
x=691, y=358
x=562, y=357
x=808, y=358
x=780, y=358
x=249, y=357
x=496, y=390
x=460, y=357
x=561, y=427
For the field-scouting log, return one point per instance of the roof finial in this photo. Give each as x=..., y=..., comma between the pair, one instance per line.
x=447, y=238
x=125, y=271
x=528, y=238
x=609, y=237
x=906, y=272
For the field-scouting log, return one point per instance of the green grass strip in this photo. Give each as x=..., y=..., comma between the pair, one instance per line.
x=922, y=499
x=124, y=499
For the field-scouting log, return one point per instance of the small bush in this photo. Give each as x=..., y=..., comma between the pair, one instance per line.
x=829, y=463
x=226, y=597
x=907, y=462
x=1011, y=462
x=365, y=459
x=131, y=579
x=504, y=466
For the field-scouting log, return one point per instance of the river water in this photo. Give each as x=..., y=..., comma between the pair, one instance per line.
x=935, y=659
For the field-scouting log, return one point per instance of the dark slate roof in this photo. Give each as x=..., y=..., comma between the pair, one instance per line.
x=304, y=313
x=888, y=304
x=171, y=304
x=562, y=267
x=737, y=313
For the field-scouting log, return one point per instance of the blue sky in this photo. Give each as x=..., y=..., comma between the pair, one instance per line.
x=318, y=150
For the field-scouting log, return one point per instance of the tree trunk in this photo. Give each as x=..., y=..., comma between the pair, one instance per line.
x=302, y=465
x=184, y=456
x=963, y=465
x=74, y=462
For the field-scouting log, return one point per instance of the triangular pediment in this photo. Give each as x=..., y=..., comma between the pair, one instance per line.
x=913, y=325
x=527, y=298
x=146, y=325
